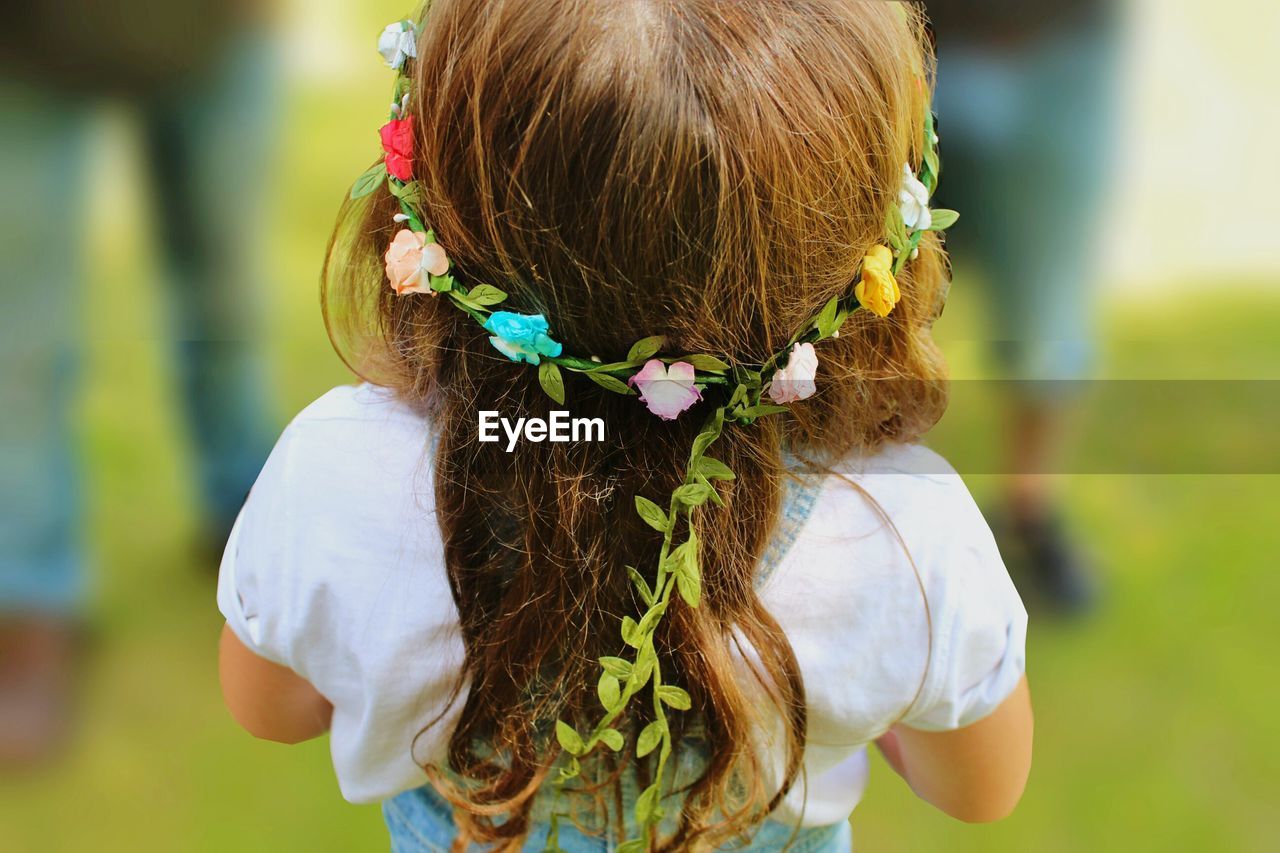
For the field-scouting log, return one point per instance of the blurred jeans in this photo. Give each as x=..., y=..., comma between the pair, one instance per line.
x=421, y=821
x=1028, y=134
x=207, y=143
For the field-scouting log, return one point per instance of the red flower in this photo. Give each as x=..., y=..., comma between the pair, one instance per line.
x=397, y=141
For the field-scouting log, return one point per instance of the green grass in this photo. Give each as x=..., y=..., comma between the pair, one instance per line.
x=1156, y=721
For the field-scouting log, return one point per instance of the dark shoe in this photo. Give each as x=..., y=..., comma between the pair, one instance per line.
x=38, y=663
x=1046, y=564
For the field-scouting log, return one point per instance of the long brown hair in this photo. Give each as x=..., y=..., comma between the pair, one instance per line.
x=709, y=170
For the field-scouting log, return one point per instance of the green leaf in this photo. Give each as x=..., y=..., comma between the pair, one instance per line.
x=569, y=738
x=645, y=349
x=826, y=319
x=705, y=439
x=678, y=560
x=645, y=662
x=652, y=514
x=714, y=469
x=760, y=411
x=693, y=494
x=895, y=229
x=572, y=770
x=608, y=382
x=944, y=219
x=369, y=181
x=932, y=163
x=612, y=738
x=709, y=363
x=675, y=697
x=609, y=691
x=715, y=496
x=689, y=585
x=831, y=319
x=650, y=619
x=552, y=381
x=647, y=805
x=631, y=634
x=617, y=667
x=684, y=564
x=635, y=845
x=646, y=592
x=410, y=193
x=443, y=284
x=649, y=738
x=486, y=294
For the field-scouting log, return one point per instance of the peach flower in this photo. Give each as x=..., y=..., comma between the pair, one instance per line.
x=411, y=261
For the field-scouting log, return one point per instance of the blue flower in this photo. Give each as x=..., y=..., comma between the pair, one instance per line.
x=522, y=337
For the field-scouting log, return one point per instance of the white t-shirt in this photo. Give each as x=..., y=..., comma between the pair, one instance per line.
x=335, y=569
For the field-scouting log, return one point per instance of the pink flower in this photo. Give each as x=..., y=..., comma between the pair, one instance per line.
x=411, y=261
x=795, y=381
x=667, y=391
x=397, y=141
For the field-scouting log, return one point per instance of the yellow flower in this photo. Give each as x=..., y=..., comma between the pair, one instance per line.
x=878, y=290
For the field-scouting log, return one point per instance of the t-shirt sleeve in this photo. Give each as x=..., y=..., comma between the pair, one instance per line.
x=978, y=644
x=251, y=579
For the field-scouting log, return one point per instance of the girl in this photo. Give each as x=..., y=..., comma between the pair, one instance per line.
x=704, y=223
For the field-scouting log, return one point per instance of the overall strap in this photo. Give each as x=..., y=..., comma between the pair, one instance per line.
x=800, y=492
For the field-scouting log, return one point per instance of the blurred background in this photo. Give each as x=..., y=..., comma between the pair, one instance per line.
x=170, y=181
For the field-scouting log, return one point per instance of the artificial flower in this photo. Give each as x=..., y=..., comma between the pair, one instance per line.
x=913, y=198
x=397, y=142
x=411, y=261
x=795, y=381
x=667, y=391
x=878, y=290
x=522, y=337
x=398, y=42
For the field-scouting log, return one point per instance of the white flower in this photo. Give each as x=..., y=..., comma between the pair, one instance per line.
x=914, y=201
x=398, y=42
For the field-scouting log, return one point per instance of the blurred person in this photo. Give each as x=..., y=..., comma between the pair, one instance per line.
x=707, y=203
x=199, y=78
x=1026, y=103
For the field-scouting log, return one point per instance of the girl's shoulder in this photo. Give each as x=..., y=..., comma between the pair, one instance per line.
x=897, y=599
x=335, y=569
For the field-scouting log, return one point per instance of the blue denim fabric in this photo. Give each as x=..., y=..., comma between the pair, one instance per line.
x=1028, y=135
x=420, y=821
x=208, y=142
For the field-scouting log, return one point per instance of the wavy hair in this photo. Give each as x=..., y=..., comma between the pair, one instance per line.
x=709, y=170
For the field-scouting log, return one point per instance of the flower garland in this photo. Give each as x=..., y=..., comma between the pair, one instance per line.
x=667, y=385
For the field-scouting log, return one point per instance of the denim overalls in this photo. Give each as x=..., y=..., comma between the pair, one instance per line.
x=421, y=821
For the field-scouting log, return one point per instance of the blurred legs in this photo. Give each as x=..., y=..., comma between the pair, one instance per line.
x=209, y=144
x=43, y=142
x=1027, y=142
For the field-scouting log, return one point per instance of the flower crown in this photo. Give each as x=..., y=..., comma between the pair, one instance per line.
x=668, y=385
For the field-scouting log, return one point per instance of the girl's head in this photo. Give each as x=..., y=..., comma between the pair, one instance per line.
x=713, y=171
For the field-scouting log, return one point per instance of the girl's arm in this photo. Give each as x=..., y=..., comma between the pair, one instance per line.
x=975, y=774
x=270, y=701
